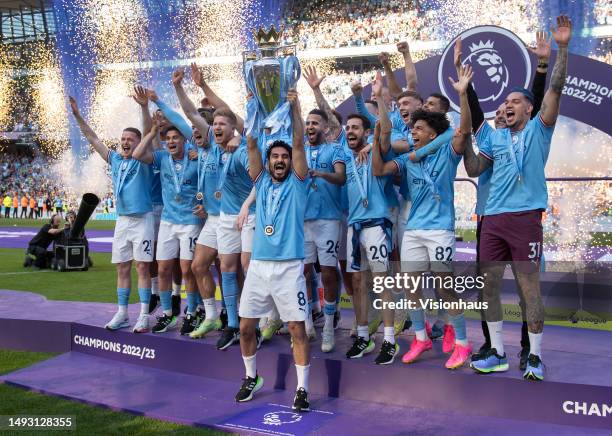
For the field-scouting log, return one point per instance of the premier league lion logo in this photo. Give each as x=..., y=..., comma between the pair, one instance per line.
x=489, y=70
x=499, y=59
x=281, y=417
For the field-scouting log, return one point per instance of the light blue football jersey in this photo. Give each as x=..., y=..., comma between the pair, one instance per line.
x=431, y=184
x=132, y=181
x=237, y=184
x=208, y=176
x=324, y=200
x=178, y=205
x=518, y=181
x=282, y=206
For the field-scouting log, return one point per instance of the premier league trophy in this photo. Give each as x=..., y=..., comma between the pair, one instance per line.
x=270, y=72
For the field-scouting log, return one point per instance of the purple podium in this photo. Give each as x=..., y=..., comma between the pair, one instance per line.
x=188, y=381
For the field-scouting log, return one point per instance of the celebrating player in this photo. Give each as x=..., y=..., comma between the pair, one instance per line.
x=134, y=233
x=275, y=277
x=429, y=239
x=512, y=228
x=180, y=225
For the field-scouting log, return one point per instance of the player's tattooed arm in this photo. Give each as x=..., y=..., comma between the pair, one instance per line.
x=87, y=131
x=538, y=86
x=144, y=151
x=298, y=155
x=550, y=106
x=465, y=128
x=385, y=122
x=409, y=68
x=187, y=105
x=213, y=98
x=475, y=164
x=379, y=167
x=314, y=81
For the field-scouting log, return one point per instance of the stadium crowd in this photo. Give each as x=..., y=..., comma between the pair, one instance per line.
x=29, y=190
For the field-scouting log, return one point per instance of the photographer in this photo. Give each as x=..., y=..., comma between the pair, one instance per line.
x=37, y=247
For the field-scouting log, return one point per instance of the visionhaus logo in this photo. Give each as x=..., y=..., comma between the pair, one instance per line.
x=499, y=59
x=588, y=409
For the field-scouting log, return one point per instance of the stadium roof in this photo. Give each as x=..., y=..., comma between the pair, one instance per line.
x=26, y=20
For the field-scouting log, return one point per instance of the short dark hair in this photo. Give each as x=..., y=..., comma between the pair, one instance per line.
x=176, y=129
x=133, y=130
x=338, y=116
x=445, y=103
x=207, y=114
x=437, y=121
x=364, y=120
x=412, y=94
x=320, y=113
x=372, y=102
x=278, y=143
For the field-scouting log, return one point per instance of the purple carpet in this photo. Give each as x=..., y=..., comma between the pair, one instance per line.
x=202, y=401
x=101, y=240
x=109, y=368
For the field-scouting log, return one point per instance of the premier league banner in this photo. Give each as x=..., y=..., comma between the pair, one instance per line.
x=500, y=61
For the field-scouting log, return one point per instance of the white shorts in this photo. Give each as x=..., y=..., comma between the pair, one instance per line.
x=133, y=238
x=402, y=220
x=157, y=211
x=230, y=239
x=394, y=218
x=177, y=241
x=270, y=284
x=208, y=235
x=322, y=240
x=428, y=250
x=374, y=249
x=343, y=232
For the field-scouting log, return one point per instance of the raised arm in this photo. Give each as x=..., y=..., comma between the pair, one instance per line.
x=384, y=138
x=144, y=151
x=187, y=105
x=255, y=160
x=542, y=51
x=357, y=90
x=379, y=167
x=87, y=131
x=173, y=116
x=140, y=97
x=298, y=155
x=213, y=98
x=409, y=68
x=394, y=88
x=552, y=99
x=314, y=81
x=465, y=125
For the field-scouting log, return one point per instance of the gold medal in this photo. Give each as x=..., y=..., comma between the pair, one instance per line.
x=269, y=230
x=218, y=195
x=364, y=203
x=199, y=196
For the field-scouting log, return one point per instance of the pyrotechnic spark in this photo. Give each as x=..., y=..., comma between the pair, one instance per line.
x=6, y=87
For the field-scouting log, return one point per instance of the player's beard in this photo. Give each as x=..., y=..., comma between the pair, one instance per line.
x=283, y=177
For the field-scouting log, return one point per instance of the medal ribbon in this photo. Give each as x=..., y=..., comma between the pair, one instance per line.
x=363, y=183
x=202, y=172
x=123, y=174
x=226, y=166
x=273, y=202
x=429, y=180
x=518, y=163
x=178, y=182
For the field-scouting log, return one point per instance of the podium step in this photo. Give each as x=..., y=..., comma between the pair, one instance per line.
x=208, y=402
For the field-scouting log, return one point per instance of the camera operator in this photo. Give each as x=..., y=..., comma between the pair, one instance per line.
x=37, y=247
